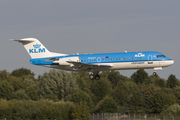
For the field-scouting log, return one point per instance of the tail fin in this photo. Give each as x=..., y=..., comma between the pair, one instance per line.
x=35, y=48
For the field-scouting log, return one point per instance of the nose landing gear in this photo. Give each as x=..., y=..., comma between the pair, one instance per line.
x=154, y=73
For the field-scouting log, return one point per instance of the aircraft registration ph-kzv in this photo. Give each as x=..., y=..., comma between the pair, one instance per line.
x=94, y=62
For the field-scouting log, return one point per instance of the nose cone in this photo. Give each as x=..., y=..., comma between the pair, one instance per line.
x=166, y=63
x=171, y=62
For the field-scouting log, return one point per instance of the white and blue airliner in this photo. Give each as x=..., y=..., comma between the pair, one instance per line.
x=94, y=62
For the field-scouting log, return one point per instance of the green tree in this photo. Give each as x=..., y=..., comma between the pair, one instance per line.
x=119, y=95
x=101, y=88
x=172, y=81
x=17, y=83
x=4, y=75
x=82, y=84
x=176, y=91
x=129, y=86
x=80, y=111
x=6, y=90
x=173, y=110
x=159, y=100
x=58, y=84
x=32, y=92
x=107, y=105
x=140, y=76
x=114, y=77
x=81, y=96
x=21, y=72
x=20, y=95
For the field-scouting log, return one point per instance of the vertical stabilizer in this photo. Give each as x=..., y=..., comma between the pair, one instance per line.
x=35, y=48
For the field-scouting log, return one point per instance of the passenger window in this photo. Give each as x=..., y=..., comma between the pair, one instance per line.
x=132, y=57
x=127, y=58
x=113, y=58
x=94, y=59
x=116, y=58
x=124, y=58
x=119, y=58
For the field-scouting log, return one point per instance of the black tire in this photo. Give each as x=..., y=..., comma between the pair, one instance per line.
x=91, y=77
x=97, y=77
x=154, y=73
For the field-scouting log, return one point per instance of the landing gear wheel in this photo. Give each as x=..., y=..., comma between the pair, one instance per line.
x=154, y=73
x=97, y=77
x=91, y=76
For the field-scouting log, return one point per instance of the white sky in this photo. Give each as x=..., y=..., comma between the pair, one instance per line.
x=90, y=26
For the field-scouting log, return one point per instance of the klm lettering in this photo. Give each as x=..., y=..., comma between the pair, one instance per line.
x=37, y=50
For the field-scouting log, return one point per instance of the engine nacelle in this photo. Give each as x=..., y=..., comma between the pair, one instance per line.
x=64, y=61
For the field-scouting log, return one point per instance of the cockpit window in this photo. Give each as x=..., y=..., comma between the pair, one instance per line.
x=158, y=56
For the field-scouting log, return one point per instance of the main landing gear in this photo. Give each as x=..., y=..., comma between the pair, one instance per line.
x=96, y=77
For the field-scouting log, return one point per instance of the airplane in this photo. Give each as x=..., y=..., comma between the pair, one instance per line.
x=41, y=56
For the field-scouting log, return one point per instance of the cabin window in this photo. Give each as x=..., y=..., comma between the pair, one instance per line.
x=132, y=57
x=127, y=58
x=90, y=60
x=116, y=58
x=124, y=58
x=119, y=58
x=81, y=60
x=102, y=59
x=111, y=58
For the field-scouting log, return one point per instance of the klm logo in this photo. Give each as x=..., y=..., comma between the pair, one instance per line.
x=37, y=49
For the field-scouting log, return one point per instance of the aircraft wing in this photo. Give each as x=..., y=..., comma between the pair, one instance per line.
x=85, y=66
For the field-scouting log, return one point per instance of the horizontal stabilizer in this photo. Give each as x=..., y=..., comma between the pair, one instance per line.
x=25, y=40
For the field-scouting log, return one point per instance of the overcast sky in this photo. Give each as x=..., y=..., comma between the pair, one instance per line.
x=90, y=26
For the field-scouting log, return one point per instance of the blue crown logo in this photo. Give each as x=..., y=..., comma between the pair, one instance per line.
x=37, y=45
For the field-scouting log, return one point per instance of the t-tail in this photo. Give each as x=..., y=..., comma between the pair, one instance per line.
x=36, y=49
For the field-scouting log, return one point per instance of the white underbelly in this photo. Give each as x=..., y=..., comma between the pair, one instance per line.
x=135, y=65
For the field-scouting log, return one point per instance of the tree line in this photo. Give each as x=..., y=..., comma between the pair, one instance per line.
x=70, y=95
